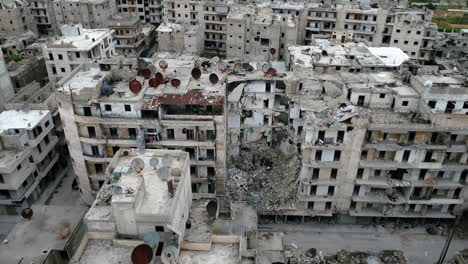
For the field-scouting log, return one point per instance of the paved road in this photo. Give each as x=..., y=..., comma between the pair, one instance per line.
x=419, y=247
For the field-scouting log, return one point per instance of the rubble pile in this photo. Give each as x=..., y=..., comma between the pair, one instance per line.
x=311, y=256
x=104, y=196
x=264, y=176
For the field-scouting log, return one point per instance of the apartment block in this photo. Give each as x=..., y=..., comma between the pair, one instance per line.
x=77, y=45
x=147, y=11
x=131, y=37
x=43, y=13
x=28, y=157
x=16, y=17
x=100, y=115
x=92, y=14
x=259, y=35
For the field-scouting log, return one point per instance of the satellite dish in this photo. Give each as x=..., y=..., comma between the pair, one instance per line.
x=272, y=72
x=247, y=67
x=142, y=254
x=215, y=59
x=273, y=51
x=146, y=73
x=154, y=162
x=214, y=78
x=135, y=86
x=152, y=239
x=196, y=73
x=166, y=160
x=159, y=77
x=163, y=64
x=237, y=67
x=222, y=67
x=27, y=213
x=169, y=255
x=212, y=208
x=153, y=82
x=175, y=83
x=266, y=67
x=163, y=172
x=116, y=189
x=137, y=164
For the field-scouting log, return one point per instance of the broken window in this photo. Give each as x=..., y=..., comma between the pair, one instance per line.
x=132, y=132
x=382, y=95
x=340, y=136
x=210, y=135
x=87, y=111
x=128, y=108
x=404, y=103
x=190, y=134
x=422, y=174
x=91, y=132
x=361, y=100
x=310, y=205
x=315, y=173
x=360, y=173
x=170, y=133
x=432, y=104
x=113, y=131
x=210, y=171
x=268, y=87
x=406, y=155
x=98, y=168
x=321, y=135
x=428, y=156
x=328, y=205
x=381, y=155
x=364, y=155
x=411, y=136
x=318, y=155
x=210, y=154
x=331, y=190
x=463, y=176
x=115, y=149
x=264, y=42
x=450, y=107
x=107, y=107
x=377, y=173
x=313, y=189
x=356, y=190
x=337, y=155
x=333, y=174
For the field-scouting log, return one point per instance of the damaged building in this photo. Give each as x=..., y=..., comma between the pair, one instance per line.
x=162, y=103
x=373, y=139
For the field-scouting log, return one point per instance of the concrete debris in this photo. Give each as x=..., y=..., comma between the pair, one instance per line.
x=104, y=196
x=346, y=257
x=264, y=176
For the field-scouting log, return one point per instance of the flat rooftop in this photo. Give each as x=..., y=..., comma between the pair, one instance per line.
x=87, y=39
x=346, y=54
x=49, y=228
x=13, y=119
x=219, y=253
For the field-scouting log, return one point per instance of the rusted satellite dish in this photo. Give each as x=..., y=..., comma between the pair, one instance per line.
x=146, y=73
x=266, y=67
x=212, y=208
x=135, y=86
x=153, y=82
x=271, y=71
x=237, y=67
x=163, y=64
x=214, y=78
x=196, y=73
x=27, y=213
x=222, y=67
x=175, y=83
x=142, y=254
x=272, y=51
x=159, y=77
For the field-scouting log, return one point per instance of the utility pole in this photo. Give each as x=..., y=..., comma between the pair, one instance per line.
x=449, y=240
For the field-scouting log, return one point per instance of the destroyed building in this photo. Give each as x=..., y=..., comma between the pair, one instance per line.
x=131, y=37
x=335, y=131
x=161, y=102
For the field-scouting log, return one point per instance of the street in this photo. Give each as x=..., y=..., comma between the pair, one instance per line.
x=418, y=246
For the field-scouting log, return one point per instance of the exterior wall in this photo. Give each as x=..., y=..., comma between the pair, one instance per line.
x=22, y=181
x=16, y=19
x=61, y=61
x=146, y=11
x=90, y=14
x=44, y=17
x=6, y=86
